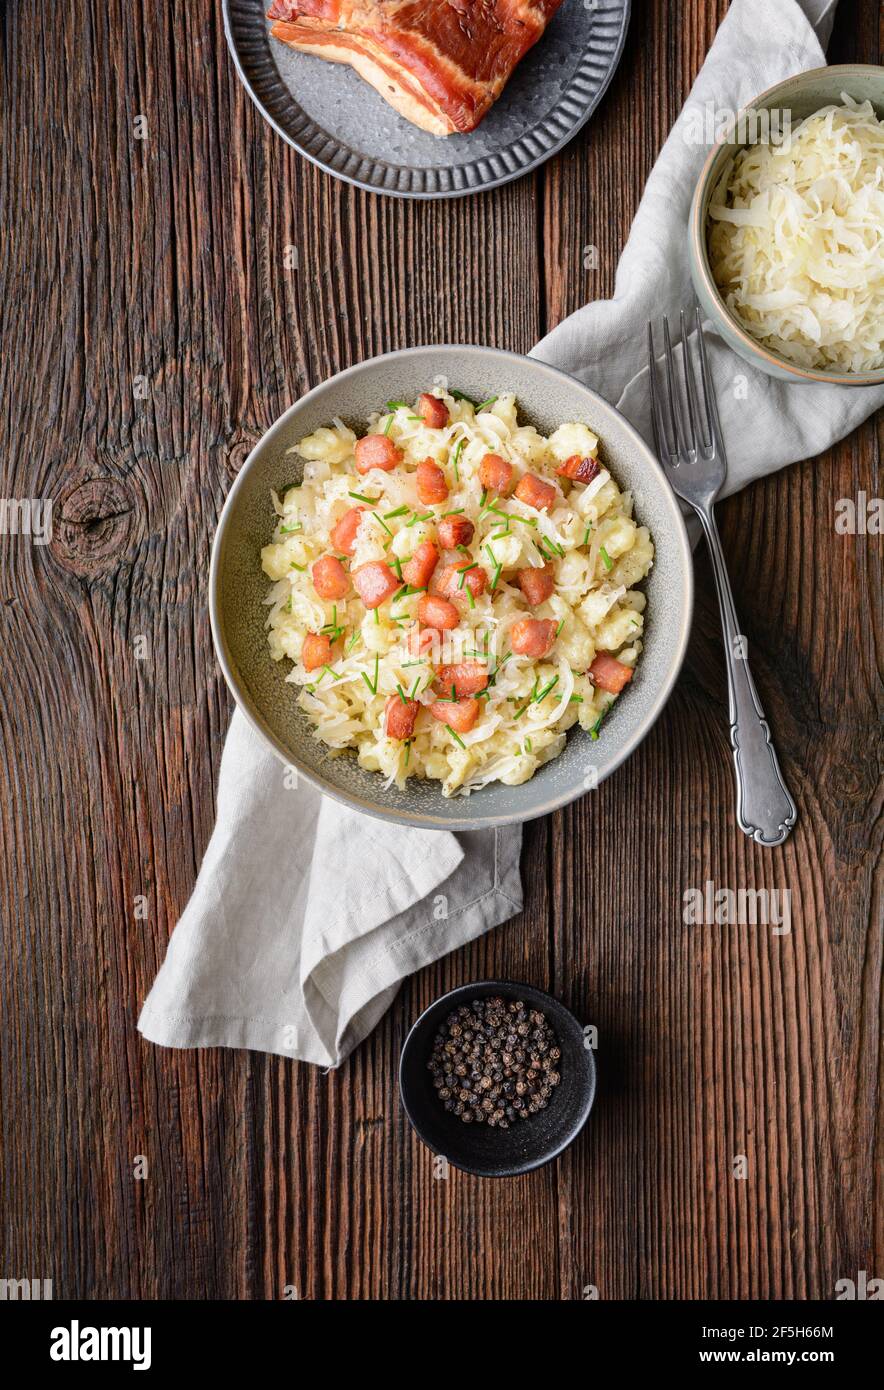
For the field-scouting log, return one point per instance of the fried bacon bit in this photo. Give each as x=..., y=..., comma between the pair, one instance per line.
x=376, y=451
x=579, y=470
x=609, y=674
x=330, y=579
x=533, y=637
x=400, y=716
x=467, y=677
x=418, y=570
x=455, y=580
x=431, y=484
x=316, y=651
x=495, y=474
x=437, y=612
x=534, y=492
x=455, y=531
x=432, y=411
x=536, y=584
x=375, y=582
x=459, y=715
x=343, y=535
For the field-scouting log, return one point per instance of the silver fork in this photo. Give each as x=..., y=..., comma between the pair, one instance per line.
x=696, y=466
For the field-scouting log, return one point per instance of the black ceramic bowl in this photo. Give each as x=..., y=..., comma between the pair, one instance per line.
x=498, y=1153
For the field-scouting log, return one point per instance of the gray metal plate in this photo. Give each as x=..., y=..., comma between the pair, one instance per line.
x=341, y=123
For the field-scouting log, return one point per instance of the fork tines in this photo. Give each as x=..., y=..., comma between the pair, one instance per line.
x=676, y=414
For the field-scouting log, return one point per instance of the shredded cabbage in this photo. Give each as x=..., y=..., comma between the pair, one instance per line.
x=796, y=240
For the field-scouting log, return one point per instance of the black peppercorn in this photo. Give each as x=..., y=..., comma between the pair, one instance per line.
x=493, y=1062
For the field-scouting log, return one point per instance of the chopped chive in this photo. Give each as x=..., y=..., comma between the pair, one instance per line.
x=400, y=511
x=494, y=674
x=457, y=512
x=545, y=691
x=497, y=566
x=457, y=453
x=560, y=626
x=335, y=675
x=372, y=687
x=407, y=750
x=300, y=568
x=421, y=662
x=417, y=681
x=397, y=566
x=529, y=745
x=401, y=693
x=379, y=518
x=485, y=404
x=459, y=396
x=377, y=617
x=352, y=643
x=416, y=517
x=471, y=599
x=389, y=424
x=288, y=530
x=464, y=572
x=455, y=736
x=586, y=533
x=397, y=405
x=608, y=562
x=484, y=498
x=594, y=731
x=575, y=700
x=360, y=497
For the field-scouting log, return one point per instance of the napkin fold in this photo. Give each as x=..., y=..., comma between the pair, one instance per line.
x=306, y=916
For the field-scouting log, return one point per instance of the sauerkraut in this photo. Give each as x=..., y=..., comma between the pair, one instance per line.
x=586, y=538
x=796, y=240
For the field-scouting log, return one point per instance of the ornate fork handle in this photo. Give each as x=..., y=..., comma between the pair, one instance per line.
x=765, y=809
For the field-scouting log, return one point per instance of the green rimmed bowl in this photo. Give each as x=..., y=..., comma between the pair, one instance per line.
x=801, y=96
x=546, y=397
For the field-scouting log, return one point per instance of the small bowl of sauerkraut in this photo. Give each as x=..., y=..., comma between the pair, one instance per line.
x=451, y=587
x=787, y=229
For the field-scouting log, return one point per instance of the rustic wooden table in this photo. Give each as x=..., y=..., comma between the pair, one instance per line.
x=151, y=333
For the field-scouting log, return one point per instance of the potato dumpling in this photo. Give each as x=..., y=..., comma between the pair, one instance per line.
x=573, y=439
x=331, y=445
x=277, y=560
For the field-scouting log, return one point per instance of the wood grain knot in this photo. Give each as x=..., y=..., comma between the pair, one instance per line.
x=92, y=525
x=238, y=449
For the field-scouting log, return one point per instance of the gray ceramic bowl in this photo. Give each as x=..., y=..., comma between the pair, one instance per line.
x=546, y=398
x=800, y=96
x=499, y=1153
